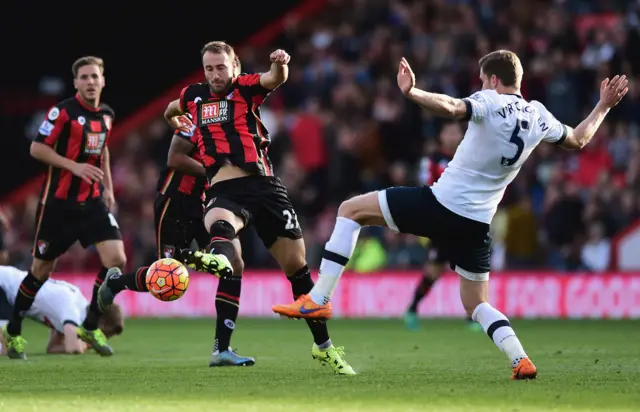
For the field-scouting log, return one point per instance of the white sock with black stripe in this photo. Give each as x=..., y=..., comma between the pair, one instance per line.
x=499, y=330
x=337, y=253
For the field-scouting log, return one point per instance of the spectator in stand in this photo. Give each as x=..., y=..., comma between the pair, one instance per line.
x=339, y=128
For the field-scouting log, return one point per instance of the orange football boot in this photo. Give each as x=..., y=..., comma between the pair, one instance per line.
x=304, y=307
x=524, y=370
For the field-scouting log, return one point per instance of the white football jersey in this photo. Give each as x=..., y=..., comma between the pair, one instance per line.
x=503, y=131
x=56, y=303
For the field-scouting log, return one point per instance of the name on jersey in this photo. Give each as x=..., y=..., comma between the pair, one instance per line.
x=94, y=143
x=215, y=112
x=515, y=107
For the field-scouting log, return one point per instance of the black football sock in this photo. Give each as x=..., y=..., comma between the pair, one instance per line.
x=301, y=283
x=422, y=290
x=227, y=307
x=27, y=292
x=135, y=281
x=93, y=314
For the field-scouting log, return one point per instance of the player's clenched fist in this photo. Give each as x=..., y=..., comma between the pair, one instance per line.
x=280, y=57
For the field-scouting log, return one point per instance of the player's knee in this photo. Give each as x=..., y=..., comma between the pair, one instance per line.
x=349, y=208
x=115, y=259
x=42, y=269
x=222, y=229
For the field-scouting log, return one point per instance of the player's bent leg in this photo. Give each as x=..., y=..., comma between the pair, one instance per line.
x=29, y=287
x=474, y=292
x=367, y=209
x=112, y=255
x=223, y=225
x=433, y=270
x=290, y=255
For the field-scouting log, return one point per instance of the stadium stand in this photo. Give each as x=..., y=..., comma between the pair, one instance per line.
x=340, y=127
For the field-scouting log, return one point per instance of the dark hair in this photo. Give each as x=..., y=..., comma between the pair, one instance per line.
x=87, y=61
x=505, y=65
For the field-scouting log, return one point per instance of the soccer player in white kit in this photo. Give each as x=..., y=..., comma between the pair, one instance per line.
x=457, y=210
x=59, y=305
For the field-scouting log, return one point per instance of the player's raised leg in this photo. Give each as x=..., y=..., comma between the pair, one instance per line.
x=363, y=210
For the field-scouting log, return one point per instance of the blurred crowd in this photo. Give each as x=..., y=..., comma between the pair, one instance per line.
x=340, y=127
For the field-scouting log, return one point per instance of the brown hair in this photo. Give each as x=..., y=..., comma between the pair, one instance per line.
x=218, y=47
x=112, y=319
x=87, y=61
x=505, y=65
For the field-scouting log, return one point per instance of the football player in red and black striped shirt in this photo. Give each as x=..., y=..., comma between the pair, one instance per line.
x=431, y=167
x=76, y=197
x=243, y=190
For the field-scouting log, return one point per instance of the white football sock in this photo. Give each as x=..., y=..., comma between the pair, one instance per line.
x=497, y=326
x=338, y=251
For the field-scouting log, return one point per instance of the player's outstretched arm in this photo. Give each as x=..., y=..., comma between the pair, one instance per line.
x=179, y=158
x=611, y=92
x=279, y=71
x=438, y=104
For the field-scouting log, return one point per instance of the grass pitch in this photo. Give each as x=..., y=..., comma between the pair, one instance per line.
x=161, y=365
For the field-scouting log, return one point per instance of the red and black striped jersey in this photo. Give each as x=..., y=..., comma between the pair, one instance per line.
x=172, y=182
x=431, y=167
x=78, y=132
x=229, y=128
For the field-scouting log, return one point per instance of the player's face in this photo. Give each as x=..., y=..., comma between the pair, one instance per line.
x=219, y=69
x=89, y=82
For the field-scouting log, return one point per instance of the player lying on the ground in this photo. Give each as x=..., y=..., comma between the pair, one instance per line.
x=243, y=190
x=59, y=305
x=457, y=210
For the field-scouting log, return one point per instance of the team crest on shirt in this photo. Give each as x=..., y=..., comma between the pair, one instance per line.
x=94, y=143
x=53, y=114
x=168, y=252
x=107, y=121
x=43, y=246
x=214, y=112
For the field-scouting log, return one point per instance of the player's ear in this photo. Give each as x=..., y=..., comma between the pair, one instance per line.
x=75, y=84
x=102, y=81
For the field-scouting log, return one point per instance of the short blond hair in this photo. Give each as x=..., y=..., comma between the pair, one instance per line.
x=87, y=61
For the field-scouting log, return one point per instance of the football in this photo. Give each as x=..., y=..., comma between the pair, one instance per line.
x=167, y=279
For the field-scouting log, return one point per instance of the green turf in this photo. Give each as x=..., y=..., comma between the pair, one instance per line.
x=161, y=365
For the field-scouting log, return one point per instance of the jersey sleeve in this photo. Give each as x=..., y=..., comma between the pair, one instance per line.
x=53, y=126
x=250, y=83
x=553, y=130
x=109, y=117
x=480, y=104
